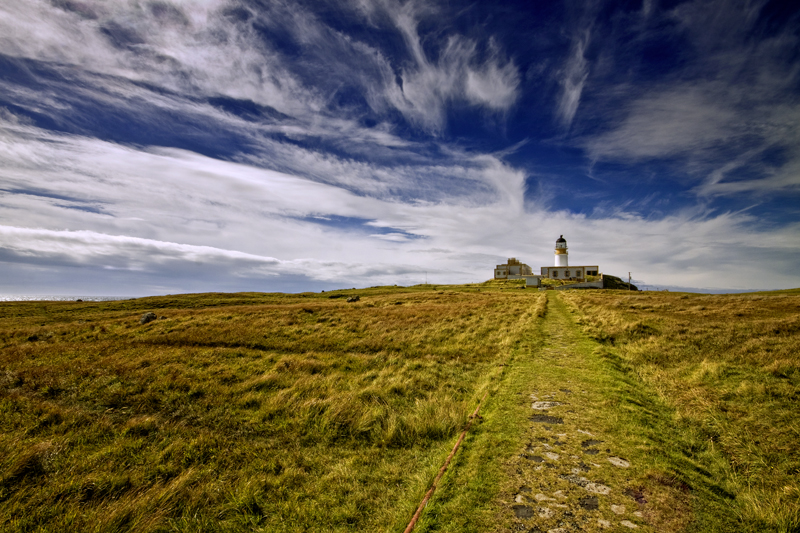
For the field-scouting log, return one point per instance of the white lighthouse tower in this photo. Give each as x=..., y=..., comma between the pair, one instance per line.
x=562, y=256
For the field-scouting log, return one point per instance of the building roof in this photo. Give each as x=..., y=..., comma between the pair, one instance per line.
x=561, y=239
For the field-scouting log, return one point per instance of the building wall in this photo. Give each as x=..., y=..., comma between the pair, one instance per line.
x=573, y=272
x=512, y=268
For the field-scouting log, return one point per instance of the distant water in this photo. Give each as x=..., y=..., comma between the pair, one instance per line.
x=59, y=298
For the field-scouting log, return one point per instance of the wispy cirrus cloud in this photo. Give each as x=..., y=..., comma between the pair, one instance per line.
x=458, y=73
x=728, y=113
x=225, y=219
x=574, y=78
x=680, y=120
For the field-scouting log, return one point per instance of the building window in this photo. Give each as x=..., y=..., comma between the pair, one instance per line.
x=555, y=273
x=566, y=274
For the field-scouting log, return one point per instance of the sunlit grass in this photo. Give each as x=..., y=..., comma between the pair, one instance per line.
x=730, y=367
x=273, y=412
x=238, y=412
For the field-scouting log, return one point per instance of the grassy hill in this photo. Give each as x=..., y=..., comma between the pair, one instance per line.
x=274, y=412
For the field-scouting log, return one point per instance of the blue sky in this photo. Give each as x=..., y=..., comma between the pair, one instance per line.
x=151, y=147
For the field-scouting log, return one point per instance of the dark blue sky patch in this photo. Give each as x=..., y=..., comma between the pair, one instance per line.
x=121, y=36
x=247, y=109
x=94, y=112
x=85, y=208
x=238, y=14
x=45, y=194
x=80, y=8
x=355, y=225
x=776, y=17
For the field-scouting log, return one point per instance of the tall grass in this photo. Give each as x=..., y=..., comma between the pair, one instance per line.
x=730, y=366
x=240, y=412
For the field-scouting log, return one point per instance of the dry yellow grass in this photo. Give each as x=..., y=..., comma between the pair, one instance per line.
x=239, y=412
x=730, y=367
x=271, y=412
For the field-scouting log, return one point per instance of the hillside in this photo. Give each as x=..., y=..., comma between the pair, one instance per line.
x=278, y=412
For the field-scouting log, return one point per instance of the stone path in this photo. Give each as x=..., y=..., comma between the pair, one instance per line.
x=566, y=473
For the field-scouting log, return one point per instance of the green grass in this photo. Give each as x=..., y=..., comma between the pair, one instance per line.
x=729, y=368
x=604, y=396
x=275, y=412
x=238, y=412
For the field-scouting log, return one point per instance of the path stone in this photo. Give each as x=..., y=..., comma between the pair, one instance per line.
x=628, y=523
x=617, y=461
x=541, y=406
x=590, y=503
x=597, y=488
x=523, y=511
x=545, y=512
x=547, y=419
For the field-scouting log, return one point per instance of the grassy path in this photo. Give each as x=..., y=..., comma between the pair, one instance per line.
x=572, y=473
x=591, y=458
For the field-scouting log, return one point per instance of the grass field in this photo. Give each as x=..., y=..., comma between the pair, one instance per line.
x=270, y=412
x=729, y=367
x=273, y=412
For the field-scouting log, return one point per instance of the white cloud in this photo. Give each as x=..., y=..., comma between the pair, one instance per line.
x=723, y=113
x=166, y=211
x=574, y=76
x=662, y=124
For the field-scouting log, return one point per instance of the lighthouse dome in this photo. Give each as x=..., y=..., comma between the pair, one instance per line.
x=561, y=252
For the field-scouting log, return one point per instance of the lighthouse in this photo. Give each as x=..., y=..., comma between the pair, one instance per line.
x=562, y=256
x=562, y=270
x=514, y=269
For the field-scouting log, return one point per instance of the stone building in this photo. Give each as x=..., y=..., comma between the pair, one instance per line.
x=514, y=269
